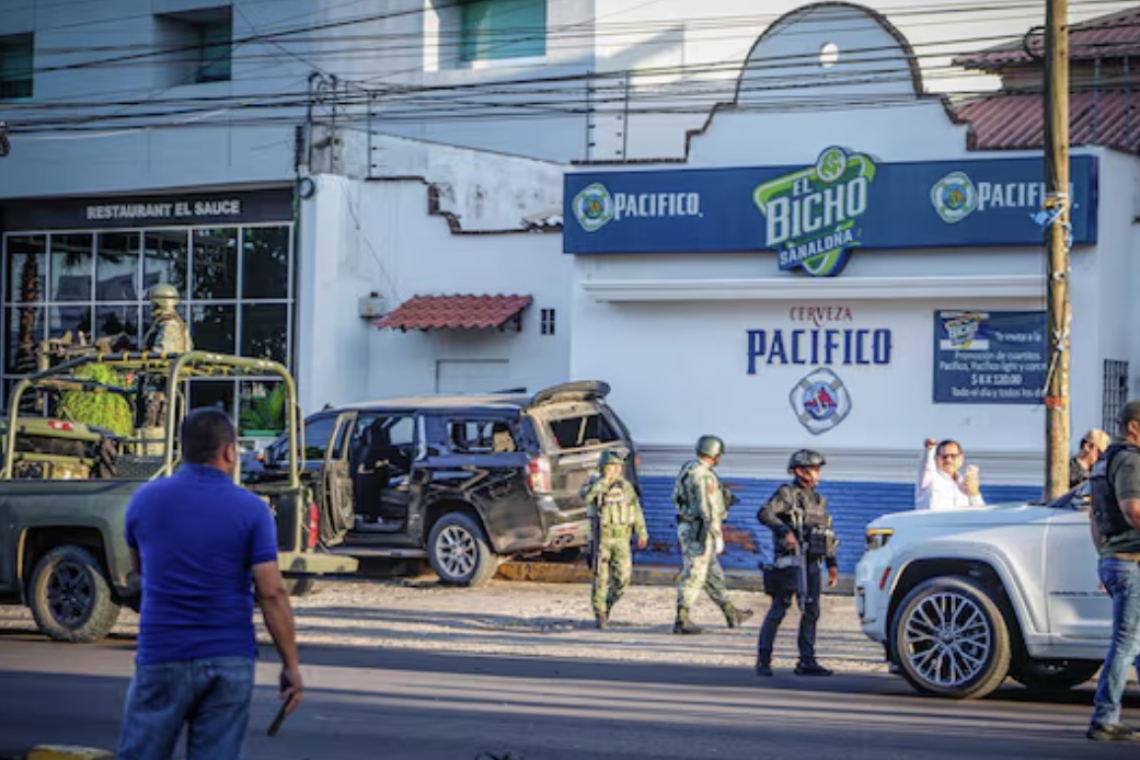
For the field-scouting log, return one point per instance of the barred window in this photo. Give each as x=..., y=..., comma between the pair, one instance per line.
x=1115, y=392
x=547, y=322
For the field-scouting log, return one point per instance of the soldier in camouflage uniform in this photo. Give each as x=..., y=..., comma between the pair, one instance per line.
x=167, y=335
x=701, y=511
x=615, y=515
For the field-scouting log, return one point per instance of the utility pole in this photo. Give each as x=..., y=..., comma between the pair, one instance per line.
x=1059, y=314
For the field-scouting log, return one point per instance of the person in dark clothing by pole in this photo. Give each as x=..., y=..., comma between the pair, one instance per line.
x=1115, y=488
x=801, y=531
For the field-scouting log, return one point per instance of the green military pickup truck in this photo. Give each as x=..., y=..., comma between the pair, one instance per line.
x=65, y=486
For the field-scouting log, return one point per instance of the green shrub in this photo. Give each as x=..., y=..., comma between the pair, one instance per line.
x=267, y=412
x=101, y=409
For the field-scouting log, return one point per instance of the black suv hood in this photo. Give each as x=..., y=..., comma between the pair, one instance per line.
x=580, y=390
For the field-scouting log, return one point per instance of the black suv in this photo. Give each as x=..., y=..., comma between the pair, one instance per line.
x=465, y=481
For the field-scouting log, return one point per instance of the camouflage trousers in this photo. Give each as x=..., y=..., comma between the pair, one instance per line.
x=613, y=571
x=701, y=570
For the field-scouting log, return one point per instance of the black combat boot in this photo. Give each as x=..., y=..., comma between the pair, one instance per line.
x=764, y=669
x=683, y=624
x=735, y=616
x=812, y=669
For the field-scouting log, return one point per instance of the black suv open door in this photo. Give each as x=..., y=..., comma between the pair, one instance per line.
x=338, y=507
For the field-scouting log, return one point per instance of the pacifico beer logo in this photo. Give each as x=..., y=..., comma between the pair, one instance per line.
x=810, y=215
x=954, y=197
x=593, y=207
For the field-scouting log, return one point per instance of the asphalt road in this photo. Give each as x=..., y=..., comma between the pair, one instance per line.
x=437, y=706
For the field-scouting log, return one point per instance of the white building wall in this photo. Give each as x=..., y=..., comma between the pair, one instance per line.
x=379, y=237
x=1115, y=334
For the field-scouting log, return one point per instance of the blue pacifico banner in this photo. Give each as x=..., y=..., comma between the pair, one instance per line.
x=995, y=357
x=814, y=216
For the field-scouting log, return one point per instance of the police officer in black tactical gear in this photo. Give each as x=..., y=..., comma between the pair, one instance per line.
x=801, y=530
x=1115, y=524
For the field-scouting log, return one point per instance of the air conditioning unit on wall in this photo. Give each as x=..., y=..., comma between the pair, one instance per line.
x=371, y=306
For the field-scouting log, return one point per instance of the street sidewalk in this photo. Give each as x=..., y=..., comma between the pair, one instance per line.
x=643, y=575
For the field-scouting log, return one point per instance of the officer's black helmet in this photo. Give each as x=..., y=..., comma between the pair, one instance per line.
x=806, y=458
x=710, y=446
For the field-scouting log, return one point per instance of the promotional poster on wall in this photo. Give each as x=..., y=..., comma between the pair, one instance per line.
x=994, y=357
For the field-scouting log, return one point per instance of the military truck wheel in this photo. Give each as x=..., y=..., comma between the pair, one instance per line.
x=70, y=598
x=459, y=551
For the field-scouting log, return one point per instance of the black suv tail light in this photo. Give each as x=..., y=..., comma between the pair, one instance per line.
x=538, y=475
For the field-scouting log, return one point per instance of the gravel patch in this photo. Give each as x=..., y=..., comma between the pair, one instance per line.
x=544, y=620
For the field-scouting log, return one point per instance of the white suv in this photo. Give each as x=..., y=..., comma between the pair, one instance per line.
x=962, y=599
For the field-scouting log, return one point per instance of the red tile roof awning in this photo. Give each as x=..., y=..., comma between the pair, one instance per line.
x=1116, y=35
x=1011, y=121
x=460, y=312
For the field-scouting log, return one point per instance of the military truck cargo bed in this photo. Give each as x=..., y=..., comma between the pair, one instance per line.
x=65, y=484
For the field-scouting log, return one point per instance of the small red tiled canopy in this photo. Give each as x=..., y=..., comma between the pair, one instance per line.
x=461, y=312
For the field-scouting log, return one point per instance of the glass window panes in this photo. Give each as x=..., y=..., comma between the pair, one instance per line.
x=71, y=267
x=213, y=327
x=214, y=51
x=217, y=393
x=215, y=264
x=165, y=257
x=17, y=56
x=27, y=268
x=111, y=321
x=262, y=336
x=117, y=266
x=265, y=262
x=69, y=319
x=234, y=284
x=25, y=330
x=495, y=29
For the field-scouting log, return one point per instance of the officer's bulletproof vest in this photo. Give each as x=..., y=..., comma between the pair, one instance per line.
x=614, y=509
x=1105, y=507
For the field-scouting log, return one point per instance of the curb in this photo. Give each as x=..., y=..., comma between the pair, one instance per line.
x=644, y=575
x=65, y=752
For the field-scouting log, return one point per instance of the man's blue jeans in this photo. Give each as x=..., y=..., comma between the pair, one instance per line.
x=1122, y=580
x=210, y=696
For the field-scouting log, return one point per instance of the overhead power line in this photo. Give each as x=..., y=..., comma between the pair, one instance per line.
x=533, y=96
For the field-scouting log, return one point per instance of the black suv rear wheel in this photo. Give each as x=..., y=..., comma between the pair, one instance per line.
x=459, y=551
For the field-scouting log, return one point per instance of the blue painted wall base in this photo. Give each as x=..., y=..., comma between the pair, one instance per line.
x=853, y=505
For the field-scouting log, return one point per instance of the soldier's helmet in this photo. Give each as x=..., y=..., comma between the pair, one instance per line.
x=806, y=458
x=163, y=292
x=611, y=456
x=710, y=446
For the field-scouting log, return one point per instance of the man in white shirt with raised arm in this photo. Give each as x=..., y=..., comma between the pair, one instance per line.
x=941, y=484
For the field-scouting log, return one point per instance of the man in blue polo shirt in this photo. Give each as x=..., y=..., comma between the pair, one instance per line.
x=202, y=544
